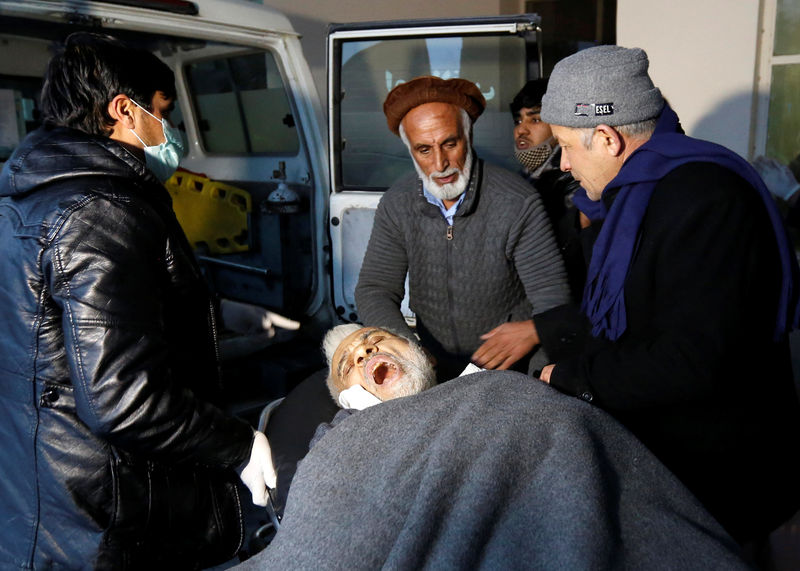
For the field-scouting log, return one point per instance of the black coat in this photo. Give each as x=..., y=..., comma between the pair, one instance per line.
x=110, y=459
x=697, y=375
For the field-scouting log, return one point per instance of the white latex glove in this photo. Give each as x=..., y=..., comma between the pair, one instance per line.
x=250, y=319
x=779, y=179
x=259, y=474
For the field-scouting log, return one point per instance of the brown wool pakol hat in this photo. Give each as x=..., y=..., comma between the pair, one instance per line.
x=430, y=89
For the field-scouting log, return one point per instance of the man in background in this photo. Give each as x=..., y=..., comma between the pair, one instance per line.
x=539, y=155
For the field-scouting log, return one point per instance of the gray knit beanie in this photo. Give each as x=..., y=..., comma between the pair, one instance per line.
x=601, y=85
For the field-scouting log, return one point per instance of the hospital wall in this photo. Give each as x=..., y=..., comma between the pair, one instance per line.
x=704, y=56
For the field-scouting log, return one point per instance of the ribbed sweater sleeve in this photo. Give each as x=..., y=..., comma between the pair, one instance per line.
x=381, y=283
x=533, y=249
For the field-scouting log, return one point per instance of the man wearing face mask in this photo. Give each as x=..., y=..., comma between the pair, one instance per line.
x=113, y=456
x=162, y=159
x=540, y=155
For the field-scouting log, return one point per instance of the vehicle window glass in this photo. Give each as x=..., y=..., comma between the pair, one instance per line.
x=19, y=111
x=787, y=40
x=177, y=120
x=241, y=105
x=371, y=156
x=784, y=120
x=20, y=85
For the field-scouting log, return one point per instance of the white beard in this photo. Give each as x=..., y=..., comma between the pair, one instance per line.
x=450, y=190
x=419, y=373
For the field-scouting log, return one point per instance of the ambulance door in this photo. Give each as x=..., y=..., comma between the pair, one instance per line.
x=365, y=62
x=252, y=187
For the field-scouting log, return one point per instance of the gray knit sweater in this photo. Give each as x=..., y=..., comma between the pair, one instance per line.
x=498, y=262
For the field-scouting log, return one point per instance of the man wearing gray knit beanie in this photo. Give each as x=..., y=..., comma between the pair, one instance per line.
x=691, y=291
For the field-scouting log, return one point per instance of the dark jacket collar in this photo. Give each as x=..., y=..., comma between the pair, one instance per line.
x=53, y=154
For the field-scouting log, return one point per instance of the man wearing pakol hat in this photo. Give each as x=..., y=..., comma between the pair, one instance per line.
x=691, y=290
x=474, y=239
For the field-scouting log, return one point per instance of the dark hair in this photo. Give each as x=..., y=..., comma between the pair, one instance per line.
x=89, y=71
x=529, y=96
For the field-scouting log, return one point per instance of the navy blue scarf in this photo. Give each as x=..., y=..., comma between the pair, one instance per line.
x=604, y=295
x=593, y=209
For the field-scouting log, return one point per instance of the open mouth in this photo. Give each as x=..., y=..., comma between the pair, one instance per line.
x=382, y=369
x=522, y=144
x=446, y=176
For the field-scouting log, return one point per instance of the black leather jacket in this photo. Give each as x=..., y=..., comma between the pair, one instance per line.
x=107, y=347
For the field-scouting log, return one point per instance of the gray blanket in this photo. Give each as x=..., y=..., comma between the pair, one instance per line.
x=493, y=470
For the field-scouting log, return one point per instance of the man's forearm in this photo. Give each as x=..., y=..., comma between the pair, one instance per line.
x=381, y=282
x=538, y=261
x=378, y=308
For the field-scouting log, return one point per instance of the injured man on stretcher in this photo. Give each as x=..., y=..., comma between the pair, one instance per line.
x=489, y=470
x=367, y=365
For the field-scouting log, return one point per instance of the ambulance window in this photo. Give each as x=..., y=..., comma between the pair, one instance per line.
x=241, y=105
x=371, y=156
x=177, y=120
x=19, y=111
x=783, y=124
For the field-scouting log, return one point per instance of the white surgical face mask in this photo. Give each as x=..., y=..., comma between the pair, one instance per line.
x=357, y=397
x=162, y=159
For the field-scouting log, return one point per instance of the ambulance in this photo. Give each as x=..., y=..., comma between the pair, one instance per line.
x=278, y=189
